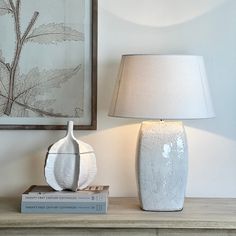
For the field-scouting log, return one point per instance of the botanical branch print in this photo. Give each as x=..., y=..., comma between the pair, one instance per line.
x=28, y=95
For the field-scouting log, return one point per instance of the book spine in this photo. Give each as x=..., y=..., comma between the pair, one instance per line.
x=64, y=207
x=63, y=198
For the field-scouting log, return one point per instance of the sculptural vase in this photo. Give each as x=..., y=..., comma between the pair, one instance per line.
x=70, y=163
x=162, y=166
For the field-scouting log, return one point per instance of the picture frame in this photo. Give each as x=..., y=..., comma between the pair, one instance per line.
x=60, y=85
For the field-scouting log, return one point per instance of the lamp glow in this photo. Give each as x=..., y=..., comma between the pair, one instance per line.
x=162, y=87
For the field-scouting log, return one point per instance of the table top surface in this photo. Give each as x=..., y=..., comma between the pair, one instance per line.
x=205, y=213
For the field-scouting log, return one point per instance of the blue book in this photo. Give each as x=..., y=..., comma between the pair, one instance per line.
x=64, y=207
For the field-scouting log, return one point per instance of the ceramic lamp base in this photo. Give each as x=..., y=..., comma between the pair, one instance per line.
x=162, y=166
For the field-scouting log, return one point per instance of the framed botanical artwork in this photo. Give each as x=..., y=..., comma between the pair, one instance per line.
x=48, y=64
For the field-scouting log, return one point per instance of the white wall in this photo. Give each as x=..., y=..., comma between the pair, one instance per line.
x=204, y=27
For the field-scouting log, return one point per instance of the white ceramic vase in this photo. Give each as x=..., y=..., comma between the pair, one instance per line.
x=162, y=166
x=70, y=163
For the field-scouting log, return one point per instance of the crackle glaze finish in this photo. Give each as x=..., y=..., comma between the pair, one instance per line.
x=162, y=166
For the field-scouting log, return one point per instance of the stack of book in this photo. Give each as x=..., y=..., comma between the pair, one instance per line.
x=43, y=199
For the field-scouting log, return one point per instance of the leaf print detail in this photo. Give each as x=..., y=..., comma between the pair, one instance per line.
x=52, y=33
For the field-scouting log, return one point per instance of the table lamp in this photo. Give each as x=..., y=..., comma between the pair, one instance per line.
x=162, y=88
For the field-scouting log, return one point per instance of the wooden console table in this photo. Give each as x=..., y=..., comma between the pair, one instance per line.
x=199, y=217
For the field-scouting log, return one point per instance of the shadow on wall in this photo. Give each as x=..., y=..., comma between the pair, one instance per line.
x=217, y=126
x=210, y=32
x=24, y=157
x=115, y=150
x=160, y=13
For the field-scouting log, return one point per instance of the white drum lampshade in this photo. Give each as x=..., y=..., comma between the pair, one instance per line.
x=162, y=87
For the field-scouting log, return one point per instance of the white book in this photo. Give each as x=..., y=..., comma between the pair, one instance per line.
x=47, y=194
